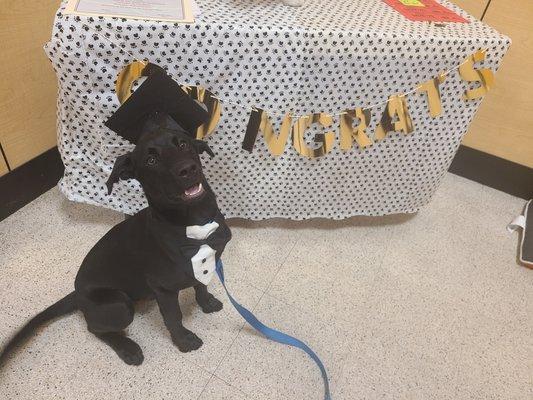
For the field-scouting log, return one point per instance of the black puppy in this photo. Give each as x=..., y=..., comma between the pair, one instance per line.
x=171, y=245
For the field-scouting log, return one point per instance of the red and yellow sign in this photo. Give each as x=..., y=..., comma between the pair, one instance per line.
x=425, y=10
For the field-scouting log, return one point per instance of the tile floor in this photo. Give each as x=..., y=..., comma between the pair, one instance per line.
x=429, y=306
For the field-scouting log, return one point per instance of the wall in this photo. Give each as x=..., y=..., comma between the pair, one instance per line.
x=3, y=166
x=502, y=127
x=28, y=85
x=473, y=7
x=504, y=124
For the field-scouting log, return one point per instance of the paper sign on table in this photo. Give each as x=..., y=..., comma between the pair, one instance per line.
x=424, y=10
x=157, y=10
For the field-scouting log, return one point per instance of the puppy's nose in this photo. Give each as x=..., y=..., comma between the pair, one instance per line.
x=187, y=170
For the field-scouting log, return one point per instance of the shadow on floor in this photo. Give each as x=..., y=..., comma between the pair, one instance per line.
x=322, y=223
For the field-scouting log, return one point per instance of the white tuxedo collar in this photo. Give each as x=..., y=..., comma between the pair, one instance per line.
x=201, y=232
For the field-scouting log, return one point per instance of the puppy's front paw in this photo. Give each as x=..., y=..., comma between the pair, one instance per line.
x=131, y=354
x=187, y=342
x=211, y=305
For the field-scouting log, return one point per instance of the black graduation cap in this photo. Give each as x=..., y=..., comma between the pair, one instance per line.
x=159, y=93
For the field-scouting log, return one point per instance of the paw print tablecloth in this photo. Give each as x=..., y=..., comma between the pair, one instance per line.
x=327, y=56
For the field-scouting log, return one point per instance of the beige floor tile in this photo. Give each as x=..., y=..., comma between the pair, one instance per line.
x=48, y=364
x=332, y=267
x=256, y=253
x=418, y=344
x=327, y=288
x=217, y=389
x=164, y=374
x=466, y=257
x=42, y=246
x=268, y=371
x=455, y=192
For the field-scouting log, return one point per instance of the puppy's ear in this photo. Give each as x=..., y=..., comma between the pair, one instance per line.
x=203, y=147
x=123, y=169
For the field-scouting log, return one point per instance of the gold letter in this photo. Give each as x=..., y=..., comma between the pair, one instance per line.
x=126, y=77
x=214, y=109
x=276, y=143
x=431, y=88
x=348, y=132
x=298, y=135
x=470, y=74
x=396, y=106
x=259, y=121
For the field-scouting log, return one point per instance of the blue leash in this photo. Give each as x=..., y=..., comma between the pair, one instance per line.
x=272, y=334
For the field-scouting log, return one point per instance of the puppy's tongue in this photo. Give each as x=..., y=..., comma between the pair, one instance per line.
x=194, y=191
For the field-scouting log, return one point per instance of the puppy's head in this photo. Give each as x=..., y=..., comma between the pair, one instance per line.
x=167, y=164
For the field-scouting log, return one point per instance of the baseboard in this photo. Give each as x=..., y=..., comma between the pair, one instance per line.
x=495, y=172
x=27, y=182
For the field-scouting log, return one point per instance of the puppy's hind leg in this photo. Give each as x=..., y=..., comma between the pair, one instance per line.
x=206, y=300
x=108, y=312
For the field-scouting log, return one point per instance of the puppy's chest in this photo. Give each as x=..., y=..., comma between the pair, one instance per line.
x=202, y=250
x=196, y=250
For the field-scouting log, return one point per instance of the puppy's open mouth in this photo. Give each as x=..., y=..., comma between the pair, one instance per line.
x=193, y=192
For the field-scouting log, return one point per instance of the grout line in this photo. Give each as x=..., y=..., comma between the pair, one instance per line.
x=206, y=385
x=232, y=386
x=378, y=265
x=244, y=322
x=190, y=361
x=282, y=263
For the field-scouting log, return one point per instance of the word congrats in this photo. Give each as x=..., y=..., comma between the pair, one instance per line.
x=353, y=123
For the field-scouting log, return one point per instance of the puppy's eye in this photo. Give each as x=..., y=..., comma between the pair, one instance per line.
x=180, y=144
x=151, y=160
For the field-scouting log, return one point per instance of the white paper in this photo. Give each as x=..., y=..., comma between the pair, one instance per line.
x=196, y=10
x=164, y=10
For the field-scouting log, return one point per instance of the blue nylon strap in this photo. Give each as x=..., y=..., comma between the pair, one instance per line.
x=272, y=334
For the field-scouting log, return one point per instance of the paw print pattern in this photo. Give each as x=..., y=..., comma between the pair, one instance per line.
x=326, y=56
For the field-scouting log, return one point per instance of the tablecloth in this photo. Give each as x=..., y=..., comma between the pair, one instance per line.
x=326, y=56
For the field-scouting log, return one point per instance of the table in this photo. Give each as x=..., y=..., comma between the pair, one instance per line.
x=328, y=56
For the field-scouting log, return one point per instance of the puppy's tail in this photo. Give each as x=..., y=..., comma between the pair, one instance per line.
x=63, y=307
